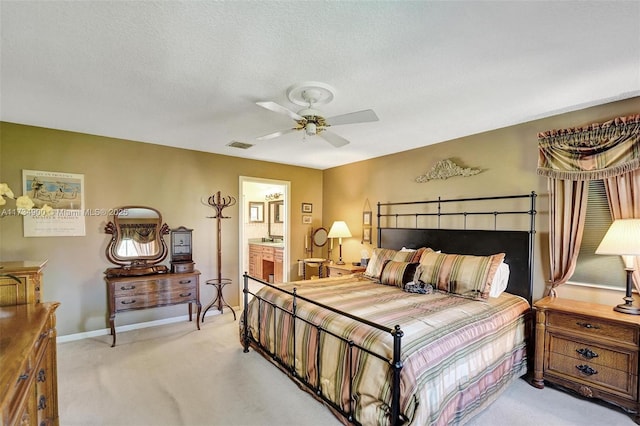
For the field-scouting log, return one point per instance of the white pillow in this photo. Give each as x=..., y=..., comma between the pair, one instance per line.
x=500, y=280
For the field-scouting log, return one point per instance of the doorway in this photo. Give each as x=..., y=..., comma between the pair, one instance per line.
x=264, y=213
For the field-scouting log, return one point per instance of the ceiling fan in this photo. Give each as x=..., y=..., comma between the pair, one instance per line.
x=312, y=121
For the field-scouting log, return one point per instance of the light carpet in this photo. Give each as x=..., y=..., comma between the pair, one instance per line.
x=176, y=375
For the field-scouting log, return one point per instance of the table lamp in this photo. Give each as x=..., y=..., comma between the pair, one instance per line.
x=623, y=239
x=339, y=230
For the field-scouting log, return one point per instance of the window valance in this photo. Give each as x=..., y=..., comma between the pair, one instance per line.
x=597, y=151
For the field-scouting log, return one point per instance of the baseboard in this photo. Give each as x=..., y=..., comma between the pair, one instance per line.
x=129, y=327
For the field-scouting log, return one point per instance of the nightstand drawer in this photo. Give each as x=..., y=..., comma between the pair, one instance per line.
x=593, y=326
x=593, y=354
x=599, y=376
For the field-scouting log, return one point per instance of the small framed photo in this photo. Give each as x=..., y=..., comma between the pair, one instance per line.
x=366, y=218
x=307, y=208
x=366, y=235
x=306, y=219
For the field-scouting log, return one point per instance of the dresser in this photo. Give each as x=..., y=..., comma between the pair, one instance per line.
x=336, y=270
x=589, y=348
x=27, y=289
x=28, y=376
x=152, y=291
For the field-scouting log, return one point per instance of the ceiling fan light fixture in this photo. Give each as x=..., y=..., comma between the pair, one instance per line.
x=310, y=129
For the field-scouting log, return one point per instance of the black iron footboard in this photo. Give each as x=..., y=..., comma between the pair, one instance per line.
x=290, y=367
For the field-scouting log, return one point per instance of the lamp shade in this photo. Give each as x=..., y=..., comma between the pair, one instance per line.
x=622, y=238
x=339, y=229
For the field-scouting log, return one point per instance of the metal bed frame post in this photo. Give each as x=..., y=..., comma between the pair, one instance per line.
x=397, y=367
x=244, y=312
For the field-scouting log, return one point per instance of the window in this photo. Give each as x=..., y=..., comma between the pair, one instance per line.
x=591, y=268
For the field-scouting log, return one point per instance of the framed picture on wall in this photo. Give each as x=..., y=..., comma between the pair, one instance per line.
x=306, y=219
x=366, y=235
x=307, y=208
x=366, y=218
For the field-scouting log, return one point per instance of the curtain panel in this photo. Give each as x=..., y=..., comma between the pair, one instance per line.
x=569, y=159
x=598, y=151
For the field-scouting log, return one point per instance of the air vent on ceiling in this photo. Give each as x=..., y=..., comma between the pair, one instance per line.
x=241, y=145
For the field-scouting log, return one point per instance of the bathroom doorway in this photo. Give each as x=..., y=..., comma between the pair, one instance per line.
x=265, y=212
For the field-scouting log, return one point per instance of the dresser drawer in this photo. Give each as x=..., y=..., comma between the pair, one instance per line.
x=598, y=376
x=134, y=288
x=179, y=293
x=593, y=326
x=594, y=354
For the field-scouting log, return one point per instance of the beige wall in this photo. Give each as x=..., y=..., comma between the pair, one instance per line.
x=508, y=158
x=118, y=173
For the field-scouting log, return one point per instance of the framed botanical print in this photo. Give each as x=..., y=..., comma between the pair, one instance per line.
x=307, y=208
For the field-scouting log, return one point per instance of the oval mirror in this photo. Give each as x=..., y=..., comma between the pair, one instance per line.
x=137, y=241
x=320, y=237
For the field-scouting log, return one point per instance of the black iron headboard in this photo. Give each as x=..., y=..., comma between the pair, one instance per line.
x=518, y=245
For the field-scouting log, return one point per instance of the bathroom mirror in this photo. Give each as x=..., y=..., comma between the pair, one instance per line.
x=256, y=211
x=137, y=241
x=276, y=219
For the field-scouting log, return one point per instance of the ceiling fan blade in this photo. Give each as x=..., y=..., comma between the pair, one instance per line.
x=275, y=134
x=353, y=117
x=333, y=139
x=272, y=106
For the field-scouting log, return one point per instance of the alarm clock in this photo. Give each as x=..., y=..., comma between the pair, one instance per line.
x=181, y=250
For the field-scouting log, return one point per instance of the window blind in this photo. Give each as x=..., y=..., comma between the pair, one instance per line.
x=592, y=268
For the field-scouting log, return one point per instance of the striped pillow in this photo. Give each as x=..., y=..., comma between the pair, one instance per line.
x=376, y=263
x=397, y=273
x=466, y=275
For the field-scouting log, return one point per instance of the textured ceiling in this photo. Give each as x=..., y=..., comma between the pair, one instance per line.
x=188, y=73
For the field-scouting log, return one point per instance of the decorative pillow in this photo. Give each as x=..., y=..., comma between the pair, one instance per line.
x=466, y=275
x=500, y=280
x=416, y=254
x=378, y=257
x=471, y=276
x=397, y=273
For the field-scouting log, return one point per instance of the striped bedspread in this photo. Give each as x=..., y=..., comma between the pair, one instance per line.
x=457, y=353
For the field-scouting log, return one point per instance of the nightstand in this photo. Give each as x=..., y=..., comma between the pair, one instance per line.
x=589, y=348
x=347, y=269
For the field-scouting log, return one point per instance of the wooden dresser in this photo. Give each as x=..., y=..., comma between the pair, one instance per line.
x=589, y=348
x=151, y=291
x=28, y=372
x=28, y=290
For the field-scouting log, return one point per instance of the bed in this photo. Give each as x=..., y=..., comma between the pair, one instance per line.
x=420, y=337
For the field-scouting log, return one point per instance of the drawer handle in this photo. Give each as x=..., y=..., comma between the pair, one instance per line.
x=128, y=302
x=131, y=287
x=185, y=294
x=587, y=353
x=24, y=376
x=42, y=376
x=42, y=404
x=185, y=281
x=587, y=370
x=587, y=325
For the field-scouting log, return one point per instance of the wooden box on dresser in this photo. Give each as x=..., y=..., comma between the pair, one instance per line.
x=151, y=291
x=27, y=288
x=28, y=376
x=589, y=348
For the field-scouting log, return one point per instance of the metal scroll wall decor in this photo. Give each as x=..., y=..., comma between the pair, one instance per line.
x=444, y=169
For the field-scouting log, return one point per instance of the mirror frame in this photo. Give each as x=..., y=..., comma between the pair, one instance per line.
x=275, y=215
x=140, y=265
x=318, y=234
x=259, y=205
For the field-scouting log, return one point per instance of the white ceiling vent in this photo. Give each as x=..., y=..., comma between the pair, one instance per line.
x=241, y=145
